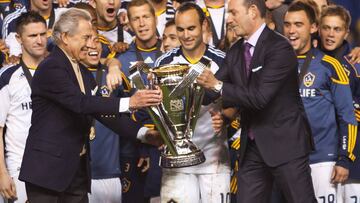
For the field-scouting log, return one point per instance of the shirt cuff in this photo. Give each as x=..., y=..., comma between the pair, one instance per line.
x=124, y=105
x=343, y=162
x=141, y=134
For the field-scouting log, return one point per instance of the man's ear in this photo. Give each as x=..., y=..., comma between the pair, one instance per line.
x=314, y=28
x=18, y=38
x=92, y=3
x=205, y=25
x=64, y=38
x=347, y=34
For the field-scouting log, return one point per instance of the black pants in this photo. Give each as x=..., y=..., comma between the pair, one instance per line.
x=77, y=192
x=256, y=178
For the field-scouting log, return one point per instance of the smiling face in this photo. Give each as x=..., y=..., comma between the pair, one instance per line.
x=142, y=22
x=93, y=56
x=78, y=43
x=189, y=30
x=333, y=32
x=106, y=11
x=298, y=29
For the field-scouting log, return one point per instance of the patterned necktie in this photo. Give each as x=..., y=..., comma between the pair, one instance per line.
x=247, y=57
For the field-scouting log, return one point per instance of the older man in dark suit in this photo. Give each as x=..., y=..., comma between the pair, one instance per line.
x=55, y=163
x=260, y=78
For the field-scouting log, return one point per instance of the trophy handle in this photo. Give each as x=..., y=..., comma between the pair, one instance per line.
x=195, y=109
x=154, y=112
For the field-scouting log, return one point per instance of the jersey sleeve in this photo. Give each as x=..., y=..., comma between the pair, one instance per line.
x=343, y=102
x=5, y=103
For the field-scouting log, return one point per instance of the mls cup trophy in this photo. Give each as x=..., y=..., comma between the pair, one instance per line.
x=175, y=118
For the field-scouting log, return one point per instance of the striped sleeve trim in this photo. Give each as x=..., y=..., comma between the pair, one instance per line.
x=340, y=72
x=352, y=140
x=217, y=52
x=162, y=57
x=357, y=115
x=126, y=83
x=9, y=18
x=236, y=144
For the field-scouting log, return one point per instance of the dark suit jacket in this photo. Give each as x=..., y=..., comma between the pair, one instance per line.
x=61, y=122
x=269, y=99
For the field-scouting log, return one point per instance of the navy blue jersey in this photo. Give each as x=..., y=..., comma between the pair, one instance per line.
x=105, y=146
x=127, y=59
x=353, y=71
x=151, y=186
x=326, y=94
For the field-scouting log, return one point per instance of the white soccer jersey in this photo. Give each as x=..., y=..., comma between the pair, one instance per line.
x=217, y=17
x=215, y=147
x=9, y=28
x=112, y=35
x=15, y=114
x=164, y=17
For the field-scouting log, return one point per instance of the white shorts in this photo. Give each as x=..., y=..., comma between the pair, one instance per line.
x=195, y=188
x=350, y=191
x=325, y=191
x=105, y=191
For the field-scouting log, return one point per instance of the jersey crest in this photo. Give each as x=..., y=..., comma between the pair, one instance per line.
x=309, y=79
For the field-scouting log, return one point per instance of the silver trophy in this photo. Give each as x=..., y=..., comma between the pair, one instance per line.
x=175, y=118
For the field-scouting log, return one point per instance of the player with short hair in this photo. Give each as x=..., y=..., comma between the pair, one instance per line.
x=334, y=28
x=45, y=8
x=170, y=39
x=326, y=94
x=15, y=108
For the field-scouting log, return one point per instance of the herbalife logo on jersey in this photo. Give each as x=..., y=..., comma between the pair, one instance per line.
x=26, y=105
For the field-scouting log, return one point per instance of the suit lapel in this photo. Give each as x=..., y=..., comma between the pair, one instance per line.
x=258, y=48
x=57, y=51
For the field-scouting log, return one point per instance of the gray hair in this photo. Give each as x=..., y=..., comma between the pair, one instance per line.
x=68, y=22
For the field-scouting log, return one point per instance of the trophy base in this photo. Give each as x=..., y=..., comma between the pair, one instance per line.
x=169, y=161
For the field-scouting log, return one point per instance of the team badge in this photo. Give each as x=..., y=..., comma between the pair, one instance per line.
x=125, y=184
x=104, y=91
x=309, y=79
x=92, y=133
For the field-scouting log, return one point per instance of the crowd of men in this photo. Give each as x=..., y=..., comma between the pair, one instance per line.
x=279, y=120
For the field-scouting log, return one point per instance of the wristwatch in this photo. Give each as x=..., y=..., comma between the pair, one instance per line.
x=218, y=87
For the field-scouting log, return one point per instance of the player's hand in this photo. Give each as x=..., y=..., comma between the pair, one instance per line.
x=355, y=55
x=3, y=47
x=113, y=78
x=144, y=163
x=153, y=137
x=217, y=120
x=7, y=186
x=273, y=4
x=119, y=47
x=145, y=98
x=339, y=174
x=63, y=3
x=207, y=79
x=13, y=60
